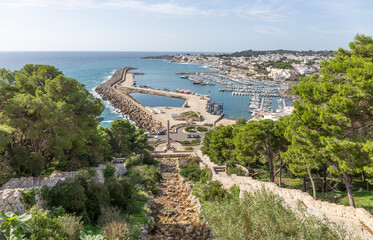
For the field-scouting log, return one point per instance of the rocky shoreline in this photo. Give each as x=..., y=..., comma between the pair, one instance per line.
x=126, y=104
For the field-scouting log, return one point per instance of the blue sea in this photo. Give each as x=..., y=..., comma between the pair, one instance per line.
x=93, y=68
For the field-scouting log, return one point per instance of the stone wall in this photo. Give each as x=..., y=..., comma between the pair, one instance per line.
x=10, y=195
x=357, y=221
x=126, y=104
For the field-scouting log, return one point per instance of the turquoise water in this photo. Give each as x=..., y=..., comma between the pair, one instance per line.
x=93, y=68
x=150, y=100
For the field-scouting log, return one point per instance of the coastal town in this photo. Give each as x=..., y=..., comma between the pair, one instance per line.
x=280, y=65
x=264, y=76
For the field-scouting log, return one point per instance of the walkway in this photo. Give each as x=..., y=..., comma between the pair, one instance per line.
x=176, y=216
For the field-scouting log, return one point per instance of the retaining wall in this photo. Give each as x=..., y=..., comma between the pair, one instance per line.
x=10, y=195
x=357, y=221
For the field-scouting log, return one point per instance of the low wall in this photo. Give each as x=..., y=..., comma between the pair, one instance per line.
x=357, y=221
x=10, y=195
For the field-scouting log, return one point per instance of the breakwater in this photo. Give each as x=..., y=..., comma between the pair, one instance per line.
x=126, y=104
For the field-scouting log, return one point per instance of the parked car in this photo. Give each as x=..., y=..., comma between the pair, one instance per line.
x=161, y=133
x=193, y=136
x=147, y=134
x=197, y=136
x=189, y=136
x=156, y=138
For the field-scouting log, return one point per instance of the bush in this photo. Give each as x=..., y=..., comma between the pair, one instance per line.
x=148, y=159
x=128, y=163
x=117, y=230
x=190, y=129
x=119, y=192
x=191, y=173
x=189, y=148
x=196, y=141
x=202, y=129
x=235, y=191
x=72, y=225
x=108, y=172
x=28, y=197
x=45, y=226
x=236, y=170
x=212, y=191
x=108, y=215
x=263, y=216
x=71, y=197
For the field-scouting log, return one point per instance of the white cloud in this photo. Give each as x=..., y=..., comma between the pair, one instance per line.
x=268, y=11
x=164, y=9
x=268, y=30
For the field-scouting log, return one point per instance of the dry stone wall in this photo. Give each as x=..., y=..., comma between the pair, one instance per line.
x=10, y=193
x=357, y=221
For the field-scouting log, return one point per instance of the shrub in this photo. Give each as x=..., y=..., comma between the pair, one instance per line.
x=108, y=172
x=206, y=175
x=108, y=215
x=190, y=129
x=117, y=231
x=58, y=211
x=72, y=225
x=148, y=159
x=119, y=192
x=128, y=163
x=236, y=170
x=235, y=191
x=263, y=216
x=212, y=191
x=189, y=148
x=196, y=141
x=28, y=197
x=202, y=129
x=70, y=196
x=191, y=173
x=45, y=226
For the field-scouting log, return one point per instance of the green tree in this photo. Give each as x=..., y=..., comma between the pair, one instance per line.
x=257, y=139
x=125, y=138
x=52, y=118
x=218, y=144
x=335, y=111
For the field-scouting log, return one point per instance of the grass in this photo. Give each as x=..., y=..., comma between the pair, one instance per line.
x=263, y=216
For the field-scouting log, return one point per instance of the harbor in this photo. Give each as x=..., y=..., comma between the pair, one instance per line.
x=121, y=85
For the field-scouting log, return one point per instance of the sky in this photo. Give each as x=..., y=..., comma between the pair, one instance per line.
x=182, y=25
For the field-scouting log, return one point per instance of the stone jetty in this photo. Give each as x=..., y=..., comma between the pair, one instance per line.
x=126, y=104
